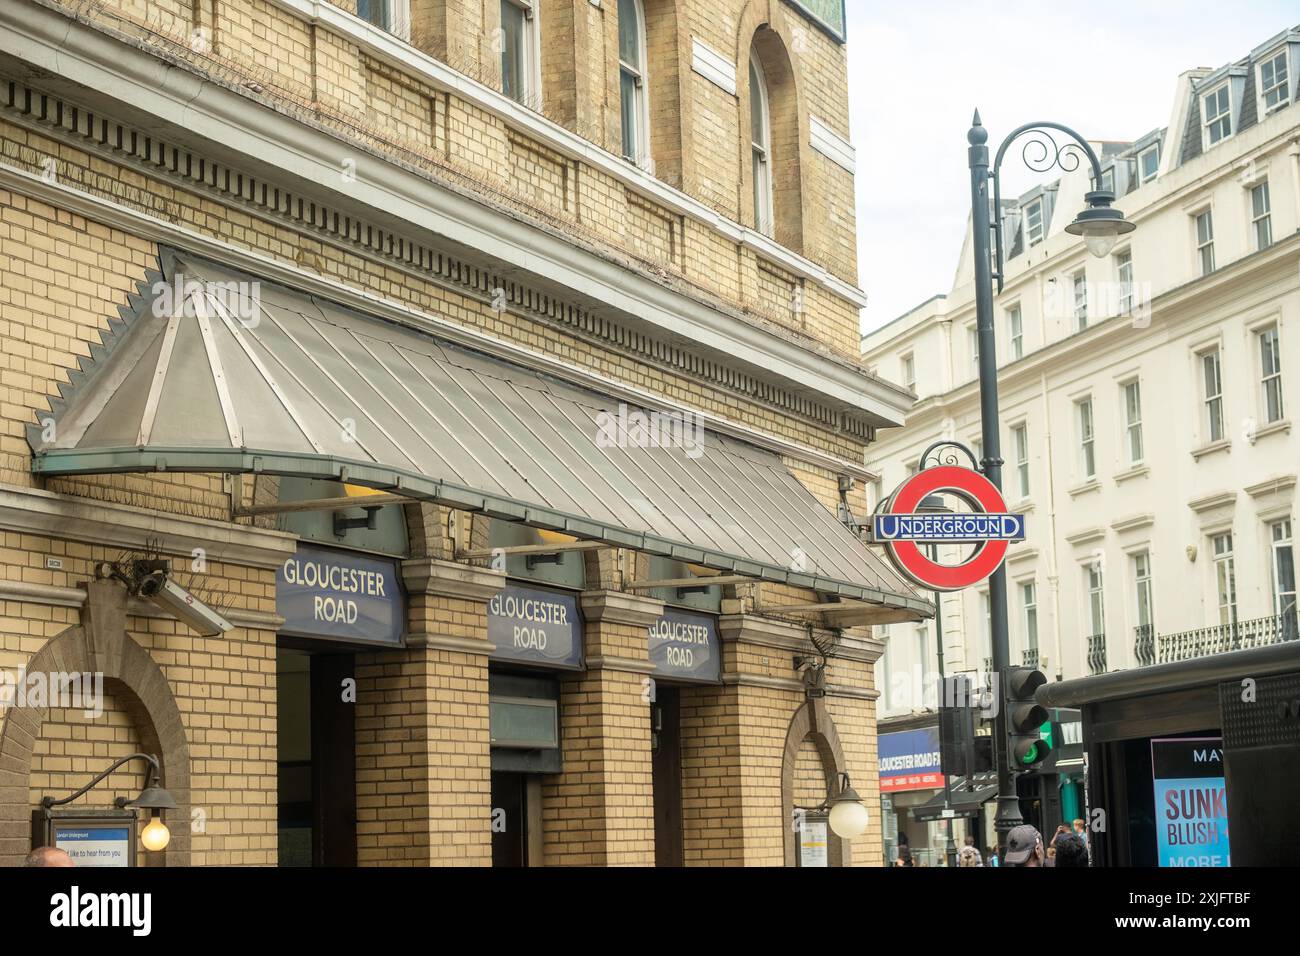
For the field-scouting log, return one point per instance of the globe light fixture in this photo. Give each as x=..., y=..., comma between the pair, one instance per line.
x=848, y=816
x=1100, y=224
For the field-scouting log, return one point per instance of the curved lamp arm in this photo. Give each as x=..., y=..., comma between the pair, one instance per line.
x=1053, y=155
x=154, y=774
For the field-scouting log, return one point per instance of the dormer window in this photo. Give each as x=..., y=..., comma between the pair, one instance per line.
x=1217, y=115
x=1034, y=222
x=1108, y=179
x=1273, y=84
x=1149, y=163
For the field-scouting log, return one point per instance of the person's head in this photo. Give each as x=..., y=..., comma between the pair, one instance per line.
x=1071, y=851
x=970, y=839
x=902, y=839
x=1078, y=827
x=1024, y=847
x=1051, y=852
x=48, y=856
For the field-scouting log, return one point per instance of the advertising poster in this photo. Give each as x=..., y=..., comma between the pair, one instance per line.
x=1191, y=801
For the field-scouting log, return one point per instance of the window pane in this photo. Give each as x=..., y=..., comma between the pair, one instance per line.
x=628, y=102
x=512, y=50
x=629, y=34
x=757, y=116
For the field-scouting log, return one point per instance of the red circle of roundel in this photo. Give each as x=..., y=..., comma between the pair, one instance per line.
x=912, y=562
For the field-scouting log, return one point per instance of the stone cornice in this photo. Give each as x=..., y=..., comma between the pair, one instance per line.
x=54, y=596
x=789, y=636
x=1271, y=486
x=445, y=642
x=33, y=511
x=451, y=579
x=620, y=607
x=1212, y=501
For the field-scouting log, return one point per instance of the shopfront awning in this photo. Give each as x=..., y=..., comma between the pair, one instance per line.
x=967, y=796
x=264, y=380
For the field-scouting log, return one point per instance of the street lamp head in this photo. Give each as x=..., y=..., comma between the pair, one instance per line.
x=848, y=816
x=1101, y=224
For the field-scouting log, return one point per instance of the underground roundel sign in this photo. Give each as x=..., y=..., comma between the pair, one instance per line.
x=902, y=530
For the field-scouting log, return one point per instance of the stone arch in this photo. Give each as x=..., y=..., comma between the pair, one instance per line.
x=763, y=29
x=811, y=721
x=99, y=644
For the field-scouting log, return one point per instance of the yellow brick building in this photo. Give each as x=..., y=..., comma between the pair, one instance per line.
x=572, y=286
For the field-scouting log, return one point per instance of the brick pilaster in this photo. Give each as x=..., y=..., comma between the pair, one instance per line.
x=423, y=751
x=600, y=810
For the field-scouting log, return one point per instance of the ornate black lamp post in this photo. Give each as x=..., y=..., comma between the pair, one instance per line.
x=1100, y=225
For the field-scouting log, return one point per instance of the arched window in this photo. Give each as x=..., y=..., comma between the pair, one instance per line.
x=760, y=124
x=635, y=108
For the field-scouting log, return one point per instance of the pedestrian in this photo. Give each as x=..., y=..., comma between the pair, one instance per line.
x=1071, y=851
x=1024, y=847
x=970, y=854
x=48, y=856
x=904, y=852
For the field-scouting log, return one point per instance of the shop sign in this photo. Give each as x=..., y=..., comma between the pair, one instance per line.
x=909, y=760
x=1191, y=802
x=684, y=646
x=989, y=526
x=340, y=595
x=536, y=627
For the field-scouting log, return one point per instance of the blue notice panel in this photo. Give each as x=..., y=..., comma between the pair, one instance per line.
x=340, y=595
x=95, y=845
x=1191, y=802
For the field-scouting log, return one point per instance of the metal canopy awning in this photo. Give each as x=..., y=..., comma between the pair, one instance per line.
x=272, y=381
x=966, y=796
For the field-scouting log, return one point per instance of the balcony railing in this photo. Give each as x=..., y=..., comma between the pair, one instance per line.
x=1222, y=638
x=1097, y=653
x=988, y=665
x=1144, y=645
x=1032, y=658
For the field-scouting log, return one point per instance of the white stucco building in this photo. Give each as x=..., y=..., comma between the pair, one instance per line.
x=1147, y=398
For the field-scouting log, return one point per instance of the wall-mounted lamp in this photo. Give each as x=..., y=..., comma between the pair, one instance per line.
x=155, y=836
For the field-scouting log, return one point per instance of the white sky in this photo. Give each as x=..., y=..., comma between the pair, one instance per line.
x=919, y=68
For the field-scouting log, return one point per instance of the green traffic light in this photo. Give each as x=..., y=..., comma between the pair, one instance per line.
x=1031, y=756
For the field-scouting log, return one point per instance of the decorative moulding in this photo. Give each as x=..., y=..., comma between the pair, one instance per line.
x=1271, y=486
x=1213, y=501
x=713, y=66
x=1133, y=522
x=832, y=145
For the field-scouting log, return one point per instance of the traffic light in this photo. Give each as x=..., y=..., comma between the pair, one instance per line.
x=1025, y=717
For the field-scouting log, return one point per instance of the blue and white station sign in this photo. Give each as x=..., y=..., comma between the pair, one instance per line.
x=534, y=626
x=340, y=595
x=684, y=646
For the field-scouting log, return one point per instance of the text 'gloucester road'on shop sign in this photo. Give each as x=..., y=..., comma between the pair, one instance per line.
x=340, y=595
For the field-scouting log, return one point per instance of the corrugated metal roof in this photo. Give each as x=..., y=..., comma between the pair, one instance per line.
x=279, y=382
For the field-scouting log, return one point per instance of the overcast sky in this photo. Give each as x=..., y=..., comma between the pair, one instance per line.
x=917, y=70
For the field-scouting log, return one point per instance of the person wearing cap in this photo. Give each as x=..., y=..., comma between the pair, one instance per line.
x=1024, y=847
